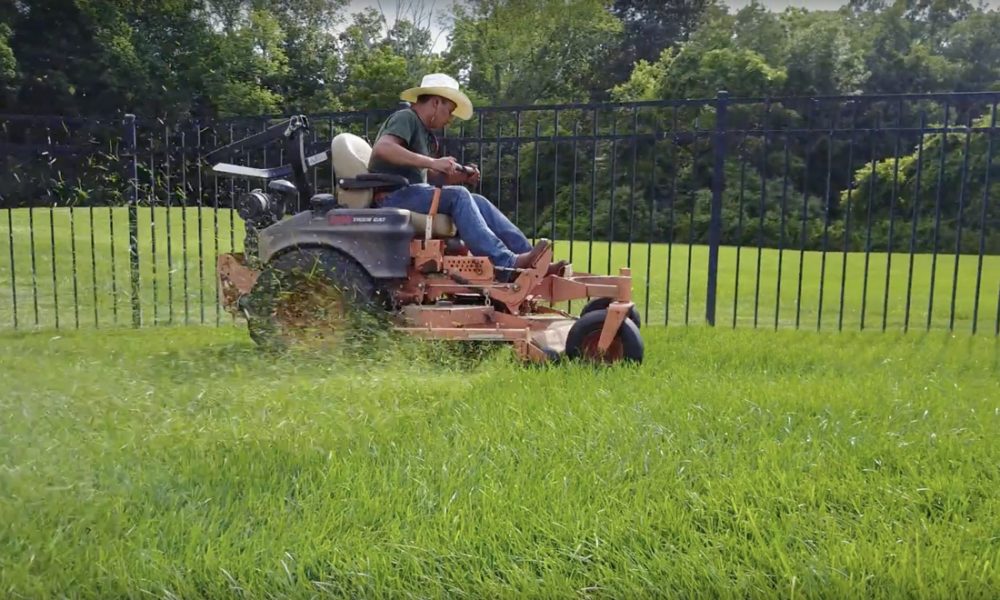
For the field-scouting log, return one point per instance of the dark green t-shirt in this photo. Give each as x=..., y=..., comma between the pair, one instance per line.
x=406, y=125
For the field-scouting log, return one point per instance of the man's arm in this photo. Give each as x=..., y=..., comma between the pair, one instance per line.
x=390, y=148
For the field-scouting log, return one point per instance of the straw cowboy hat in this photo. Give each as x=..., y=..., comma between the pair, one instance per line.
x=439, y=84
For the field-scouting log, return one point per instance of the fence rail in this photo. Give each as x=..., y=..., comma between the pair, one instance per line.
x=841, y=212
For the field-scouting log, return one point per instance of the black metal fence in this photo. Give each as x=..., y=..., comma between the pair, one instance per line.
x=837, y=212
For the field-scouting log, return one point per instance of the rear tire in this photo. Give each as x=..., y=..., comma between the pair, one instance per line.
x=583, y=336
x=313, y=297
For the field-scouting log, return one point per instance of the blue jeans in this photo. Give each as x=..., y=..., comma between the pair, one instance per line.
x=484, y=229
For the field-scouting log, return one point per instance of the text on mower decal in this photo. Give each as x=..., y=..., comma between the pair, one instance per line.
x=355, y=219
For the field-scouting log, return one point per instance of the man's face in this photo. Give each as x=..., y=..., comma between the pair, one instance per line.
x=442, y=112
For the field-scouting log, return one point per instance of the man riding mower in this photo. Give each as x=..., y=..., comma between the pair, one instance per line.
x=346, y=262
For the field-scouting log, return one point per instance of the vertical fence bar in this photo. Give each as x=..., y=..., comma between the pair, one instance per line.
x=499, y=166
x=517, y=168
x=805, y=218
x=52, y=233
x=982, y=218
x=914, y=217
x=572, y=198
x=614, y=180
x=215, y=224
x=760, y=217
x=937, y=214
x=72, y=246
x=826, y=220
x=672, y=229
x=958, y=225
x=201, y=227
x=534, y=218
x=34, y=264
x=718, y=185
x=631, y=193
x=781, y=237
x=555, y=172
x=593, y=197
x=184, y=228
x=572, y=201
x=170, y=248
x=13, y=272
x=479, y=157
x=461, y=146
x=651, y=228
x=868, y=233
x=93, y=261
x=132, y=167
x=152, y=228
x=232, y=192
x=892, y=215
x=739, y=238
x=847, y=218
x=690, y=258
x=114, y=277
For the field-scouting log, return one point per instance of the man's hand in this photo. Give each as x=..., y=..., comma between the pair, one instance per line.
x=472, y=178
x=445, y=165
x=447, y=171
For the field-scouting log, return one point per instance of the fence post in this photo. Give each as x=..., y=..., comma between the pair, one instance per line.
x=718, y=185
x=132, y=174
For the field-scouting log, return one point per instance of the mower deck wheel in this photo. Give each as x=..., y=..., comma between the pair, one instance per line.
x=582, y=340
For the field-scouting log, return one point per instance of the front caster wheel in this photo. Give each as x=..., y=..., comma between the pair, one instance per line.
x=601, y=303
x=584, y=335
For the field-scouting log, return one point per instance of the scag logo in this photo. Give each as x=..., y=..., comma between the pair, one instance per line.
x=356, y=220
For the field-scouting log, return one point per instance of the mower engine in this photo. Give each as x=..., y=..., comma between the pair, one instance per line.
x=259, y=210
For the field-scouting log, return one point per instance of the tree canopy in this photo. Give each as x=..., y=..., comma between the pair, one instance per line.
x=177, y=58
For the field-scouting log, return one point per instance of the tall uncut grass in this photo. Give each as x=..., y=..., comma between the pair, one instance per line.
x=178, y=462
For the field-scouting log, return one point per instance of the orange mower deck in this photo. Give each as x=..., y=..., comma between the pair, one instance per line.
x=518, y=312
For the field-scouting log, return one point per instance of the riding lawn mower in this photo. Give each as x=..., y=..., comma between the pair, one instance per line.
x=344, y=264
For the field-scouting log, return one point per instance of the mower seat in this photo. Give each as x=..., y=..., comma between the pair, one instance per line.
x=355, y=186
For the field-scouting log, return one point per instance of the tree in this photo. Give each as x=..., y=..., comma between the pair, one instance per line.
x=251, y=64
x=8, y=65
x=945, y=198
x=649, y=28
x=378, y=62
x=522, y=52
x=972, y=45
x=823, y=57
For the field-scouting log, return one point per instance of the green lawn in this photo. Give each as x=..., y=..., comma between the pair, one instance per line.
x=177, y=462
x=179, y=287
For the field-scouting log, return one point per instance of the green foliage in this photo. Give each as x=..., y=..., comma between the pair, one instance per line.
x=173, y=58
x=824, y=57
x=946, y=180
x=252, y=64
x=523, y=52
x=709, y=62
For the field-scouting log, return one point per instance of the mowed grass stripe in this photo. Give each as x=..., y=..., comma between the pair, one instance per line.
x=180, y=462
x=762, y=288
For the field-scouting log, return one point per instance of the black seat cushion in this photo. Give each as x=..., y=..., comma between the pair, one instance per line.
x=368, y=181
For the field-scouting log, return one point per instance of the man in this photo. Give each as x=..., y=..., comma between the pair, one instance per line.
x=402, y=147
